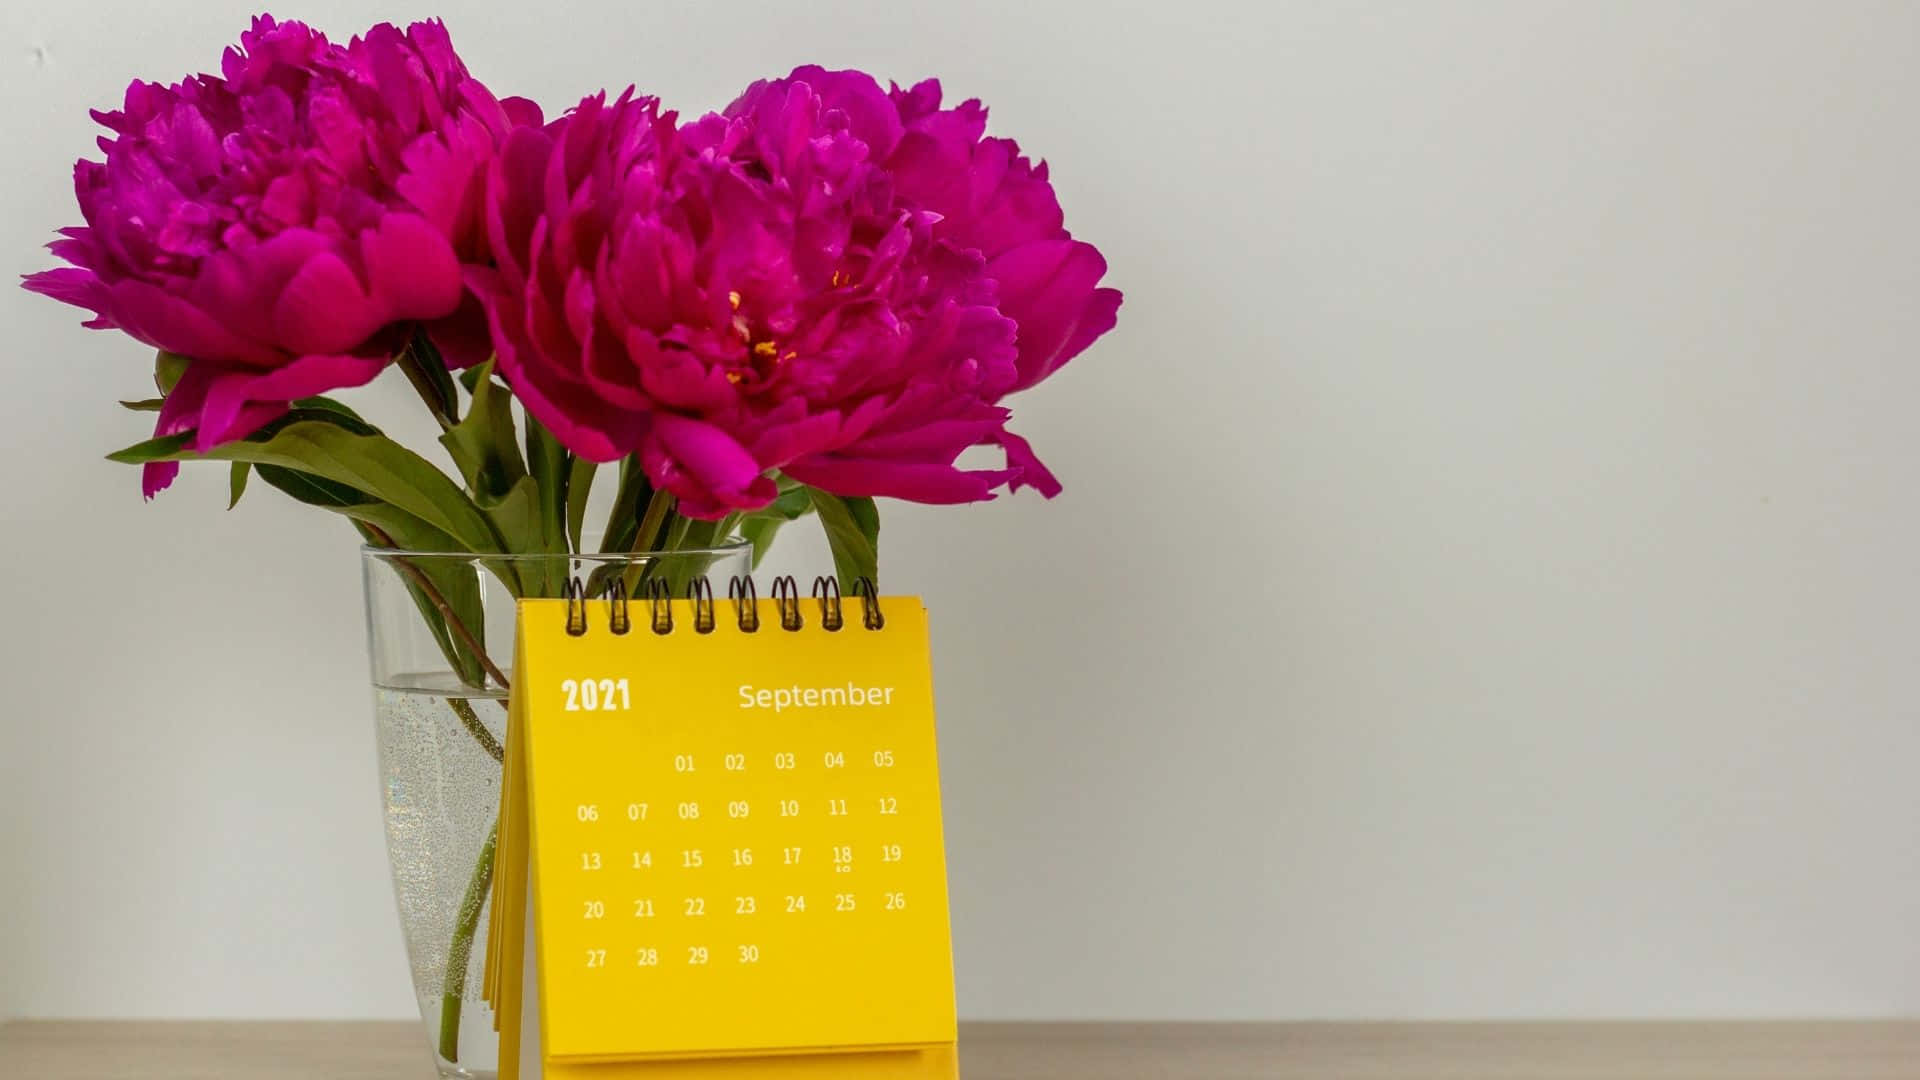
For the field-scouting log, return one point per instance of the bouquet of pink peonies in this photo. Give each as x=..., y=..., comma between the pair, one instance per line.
x=822, y=294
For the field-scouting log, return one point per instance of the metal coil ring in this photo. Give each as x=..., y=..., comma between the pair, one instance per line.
x=616, y=594
x=701, y=593
x=870, y=615
x=746, y=603
x=786, y=598
x=576, y=597
x=660, y=603
x=742, y=592
x=827, y=591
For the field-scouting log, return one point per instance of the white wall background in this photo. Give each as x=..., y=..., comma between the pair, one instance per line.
x=1486, y=584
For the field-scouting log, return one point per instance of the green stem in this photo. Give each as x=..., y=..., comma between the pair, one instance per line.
x=470, y=720
x=440, y=604
x=454, y=990
x=648, y=536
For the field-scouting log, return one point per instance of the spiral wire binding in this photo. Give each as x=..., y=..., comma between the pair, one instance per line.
x=616, y=592
x=746, y=603
x=660, y=603
x=827, y=591
x=786, y=599
x=701, y=593
x=871, y=616
x=741, y=592
x=575, y=592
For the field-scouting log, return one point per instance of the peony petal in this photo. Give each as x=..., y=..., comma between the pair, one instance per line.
x=870, y=115
x=1031, y=473
x=513, y=200
x=238, y=403
x=462, y=337
x=311, y=375
x=1099, y=316
x=938, y=484
x=1049, y=289
x=569, y=413
x=324, y=309
x=806, y=437
x=940, y=440
x=71, y=285
x=411, y=269
x=692, y=478
x=178, y=413
x=157, y=476
x=168, y=322
x=710, y=454
x=523, y=112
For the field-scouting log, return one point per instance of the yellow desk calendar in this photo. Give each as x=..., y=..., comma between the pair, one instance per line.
x=731, y=825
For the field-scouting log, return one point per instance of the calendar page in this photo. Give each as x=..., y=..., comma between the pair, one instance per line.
x=735, y=837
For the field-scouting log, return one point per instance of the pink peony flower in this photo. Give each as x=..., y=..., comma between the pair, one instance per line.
x=276, y=224
x=825, y=279
x=990, y=199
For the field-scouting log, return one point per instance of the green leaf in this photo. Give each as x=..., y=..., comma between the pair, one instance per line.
x=151, y=404
x=407, y=532
x=701, y=534
x=527, y=510
x=760, y=531
x=579, y=486
x=403, y=529
x=374, y=464
x=158, y=448
x=547, y=462
x=623, y=518
x=320, y=411
x=167, y=369
x=483, y=445
x=237, y=483
x=791, y=505
x=420, y=361
x=327, y=404
x=517, y=518
x=759, y=527
x=317, y=491
x=324, y=410
x=853, y=534
x=679, y=557
x=685, y=538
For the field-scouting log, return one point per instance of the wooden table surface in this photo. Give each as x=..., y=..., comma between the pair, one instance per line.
x=109, y=1050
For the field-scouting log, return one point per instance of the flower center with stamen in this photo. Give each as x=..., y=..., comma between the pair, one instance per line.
x=764, y=355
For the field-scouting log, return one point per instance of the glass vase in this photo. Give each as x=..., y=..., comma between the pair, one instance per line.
x=440, y=634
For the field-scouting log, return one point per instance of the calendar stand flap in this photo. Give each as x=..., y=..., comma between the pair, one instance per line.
x=933, y=1063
